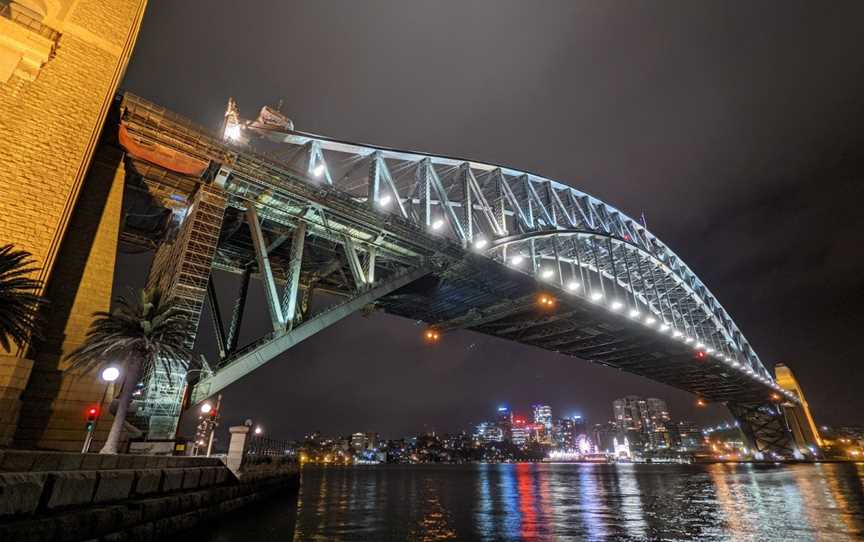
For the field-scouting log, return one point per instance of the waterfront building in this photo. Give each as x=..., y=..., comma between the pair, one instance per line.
x=644, y=421
x=487, y=432
x=689, y=437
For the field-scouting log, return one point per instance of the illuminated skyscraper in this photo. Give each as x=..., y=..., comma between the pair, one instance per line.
x=519, y=431
x=505, y=422
x=543, y=415
x=630, y=413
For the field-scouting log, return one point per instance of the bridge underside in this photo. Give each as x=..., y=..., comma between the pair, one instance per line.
x=273, y=223
x=504, y=303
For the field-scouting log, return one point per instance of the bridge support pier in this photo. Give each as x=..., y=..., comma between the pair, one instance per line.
x=181, y=269
x=765, y=430
x=54, y=402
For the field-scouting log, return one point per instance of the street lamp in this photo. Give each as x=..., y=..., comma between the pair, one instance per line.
x=108, y=375
x=258, y=430
x=206, y=408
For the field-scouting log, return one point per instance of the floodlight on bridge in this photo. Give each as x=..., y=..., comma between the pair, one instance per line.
x=480, y=243
x=634, y=313
x=517, y=259
x=437, y=224
x=664, y=327
x=676, y=333
x=573, y=286
x=547, y=273
x=232, y=133
x=616, y=305
x=385, y=200
x=596, y=296
x=688, y=340
x=650, y=321
x=699, y=346
x=318, y=170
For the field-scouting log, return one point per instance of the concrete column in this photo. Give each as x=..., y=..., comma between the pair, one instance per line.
x=237, y=447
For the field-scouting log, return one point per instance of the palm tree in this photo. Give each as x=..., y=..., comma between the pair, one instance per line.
x=145, y=333
x=19, y=299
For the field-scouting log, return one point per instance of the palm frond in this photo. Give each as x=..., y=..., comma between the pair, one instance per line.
x=19, y=301
x=144, y=328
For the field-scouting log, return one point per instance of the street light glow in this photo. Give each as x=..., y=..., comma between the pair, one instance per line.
x=664, y=327
x=516, y=260
x=206, y=408
x=110, y=374
x=318, y=170
x=650, y=321
x=258, y=430
x=438, y=224
x=676, y=333
x=547, y=273
x=634, y=313
x=480, y=243
x=573, y=286
x=596, y=296
x=616, y=305
x=385, y=200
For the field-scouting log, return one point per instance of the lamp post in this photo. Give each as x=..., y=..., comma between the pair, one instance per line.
x=213, y=423
x=109, y=375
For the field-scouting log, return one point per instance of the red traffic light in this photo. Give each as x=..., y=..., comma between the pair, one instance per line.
x=92, y=412
x=700, y=355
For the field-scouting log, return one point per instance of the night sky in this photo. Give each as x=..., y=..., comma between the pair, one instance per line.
x=736, y=127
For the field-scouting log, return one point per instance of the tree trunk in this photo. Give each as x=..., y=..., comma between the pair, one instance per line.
x=133, y=368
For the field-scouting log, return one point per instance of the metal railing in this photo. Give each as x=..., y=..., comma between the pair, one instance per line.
x=27, y=21
x=266, y=447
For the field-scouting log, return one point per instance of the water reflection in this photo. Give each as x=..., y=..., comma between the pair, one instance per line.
x=562, y=502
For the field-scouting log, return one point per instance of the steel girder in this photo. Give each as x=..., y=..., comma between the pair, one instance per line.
x=765, y=429
x=476, y=203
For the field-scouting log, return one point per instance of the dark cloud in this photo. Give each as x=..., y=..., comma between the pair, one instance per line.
x=735, y=127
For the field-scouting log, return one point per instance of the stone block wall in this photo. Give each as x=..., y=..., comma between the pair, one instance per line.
x=51, y=117
x=66, y=496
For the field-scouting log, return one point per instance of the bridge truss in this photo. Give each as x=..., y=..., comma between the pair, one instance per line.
x=453, y=242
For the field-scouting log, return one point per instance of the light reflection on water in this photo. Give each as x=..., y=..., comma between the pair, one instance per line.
x=537, y=501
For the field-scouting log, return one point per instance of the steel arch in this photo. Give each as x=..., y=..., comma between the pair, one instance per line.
x=480, y=204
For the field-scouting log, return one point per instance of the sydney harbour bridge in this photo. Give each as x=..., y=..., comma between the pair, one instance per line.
x=454, y=243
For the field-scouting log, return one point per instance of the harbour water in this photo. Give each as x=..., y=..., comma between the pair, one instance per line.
x=544, y=501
